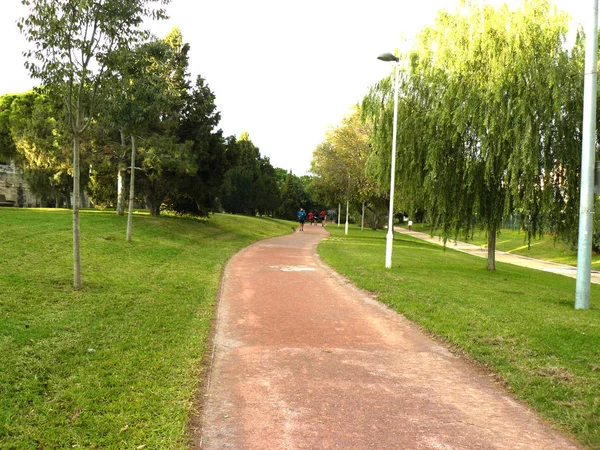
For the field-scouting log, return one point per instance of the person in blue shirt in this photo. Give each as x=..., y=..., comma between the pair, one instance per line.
x=301, y=218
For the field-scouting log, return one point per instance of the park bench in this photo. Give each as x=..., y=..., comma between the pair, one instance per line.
x=4, y=202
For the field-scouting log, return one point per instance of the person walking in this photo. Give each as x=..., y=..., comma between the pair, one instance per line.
x=311, y=218
x=301, y=218
x=323, y=216
x=331, y=215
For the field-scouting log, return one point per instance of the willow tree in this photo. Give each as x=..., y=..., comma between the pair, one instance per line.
x=340, y=164
x=73, y=45
x=493, y=92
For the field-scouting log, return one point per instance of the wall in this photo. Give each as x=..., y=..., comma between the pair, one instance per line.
x=14, y=187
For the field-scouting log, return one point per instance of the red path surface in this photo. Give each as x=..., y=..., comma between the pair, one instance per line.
x=303, y=360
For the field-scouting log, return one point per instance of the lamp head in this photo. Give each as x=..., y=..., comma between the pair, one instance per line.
x=388, y=57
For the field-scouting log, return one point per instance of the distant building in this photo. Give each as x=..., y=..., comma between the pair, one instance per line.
x=14, y=187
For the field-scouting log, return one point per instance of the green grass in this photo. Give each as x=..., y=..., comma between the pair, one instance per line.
x=116, y=364
x=514, y=241
x=518, y=323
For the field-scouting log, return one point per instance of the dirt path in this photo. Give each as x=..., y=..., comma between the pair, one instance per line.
x=305, y=361
x=510, y=258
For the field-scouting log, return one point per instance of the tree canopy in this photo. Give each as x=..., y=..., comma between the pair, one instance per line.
x=489, y=120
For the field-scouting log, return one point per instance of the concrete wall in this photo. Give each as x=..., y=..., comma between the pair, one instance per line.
x=14, y=187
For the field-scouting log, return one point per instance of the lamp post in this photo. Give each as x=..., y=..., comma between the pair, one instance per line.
x=586, y=206
x=347, y=204
x=346, y=227
x=388, y=57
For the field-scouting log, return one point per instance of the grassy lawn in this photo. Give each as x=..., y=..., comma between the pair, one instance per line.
x=519, y=323
x=117, y=364
x=514, y=241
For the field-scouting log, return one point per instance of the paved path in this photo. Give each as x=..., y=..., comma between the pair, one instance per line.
x=303, y=360
x=523, y=261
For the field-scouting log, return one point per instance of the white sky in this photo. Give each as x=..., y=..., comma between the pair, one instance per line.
x=283, y=71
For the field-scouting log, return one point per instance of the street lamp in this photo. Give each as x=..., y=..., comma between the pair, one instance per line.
x=388, y=57
x=347, y=205
x=586, y=205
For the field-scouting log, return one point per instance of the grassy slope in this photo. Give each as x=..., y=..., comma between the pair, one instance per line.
x=520, y=323
x=115, y=364
x=514, y=241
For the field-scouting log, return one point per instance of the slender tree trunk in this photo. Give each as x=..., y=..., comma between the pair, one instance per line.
x=131, y=190
x=492, y=248
x=120, y=191
x=362, y=220
x=121, y=183
x=76, y=193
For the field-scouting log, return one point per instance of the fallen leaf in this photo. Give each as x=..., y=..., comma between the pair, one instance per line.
x=124, y=428
x=76, y=413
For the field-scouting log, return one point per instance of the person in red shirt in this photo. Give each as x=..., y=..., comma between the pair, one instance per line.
x=323, y=216
x=311, y=217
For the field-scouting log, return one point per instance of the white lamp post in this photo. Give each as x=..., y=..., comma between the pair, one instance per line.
x=347, y=205
x=390, y=234
x=586, y=208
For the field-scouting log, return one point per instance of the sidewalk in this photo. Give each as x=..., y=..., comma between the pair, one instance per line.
x=303, y=360
x=517, y=260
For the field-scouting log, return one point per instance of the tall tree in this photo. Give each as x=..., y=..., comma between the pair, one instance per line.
x=141, y=95
x=197, y=192
x=292, y=197
x=250, y=185
x=74, y=43
x=483, y=115
x=341, y=163
x=35, y=140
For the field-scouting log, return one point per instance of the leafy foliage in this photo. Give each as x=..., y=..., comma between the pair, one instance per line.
x=489, y=118
x=250, y=185
x=73, y=54
x=340, y=164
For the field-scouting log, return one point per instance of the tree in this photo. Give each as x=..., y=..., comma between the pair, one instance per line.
x=483, y=119
x=197, y=192
x=141, y=96
x=340, y=165
x=74, y=43
x=292, y=197
x=34, y=138
x=250, y=185
x=8, y=150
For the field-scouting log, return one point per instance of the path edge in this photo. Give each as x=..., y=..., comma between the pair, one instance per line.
x=455, y=350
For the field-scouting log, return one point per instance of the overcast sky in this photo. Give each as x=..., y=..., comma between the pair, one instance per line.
x=282, y=71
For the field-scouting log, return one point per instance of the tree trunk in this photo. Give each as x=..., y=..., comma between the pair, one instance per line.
x=362, y=220
x=120, y=191
x=492, y=248
x=155, y=209
x=121, y=183
x=76, y=191
x=131, y=190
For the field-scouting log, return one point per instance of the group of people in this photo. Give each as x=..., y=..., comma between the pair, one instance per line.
x=313, y=218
